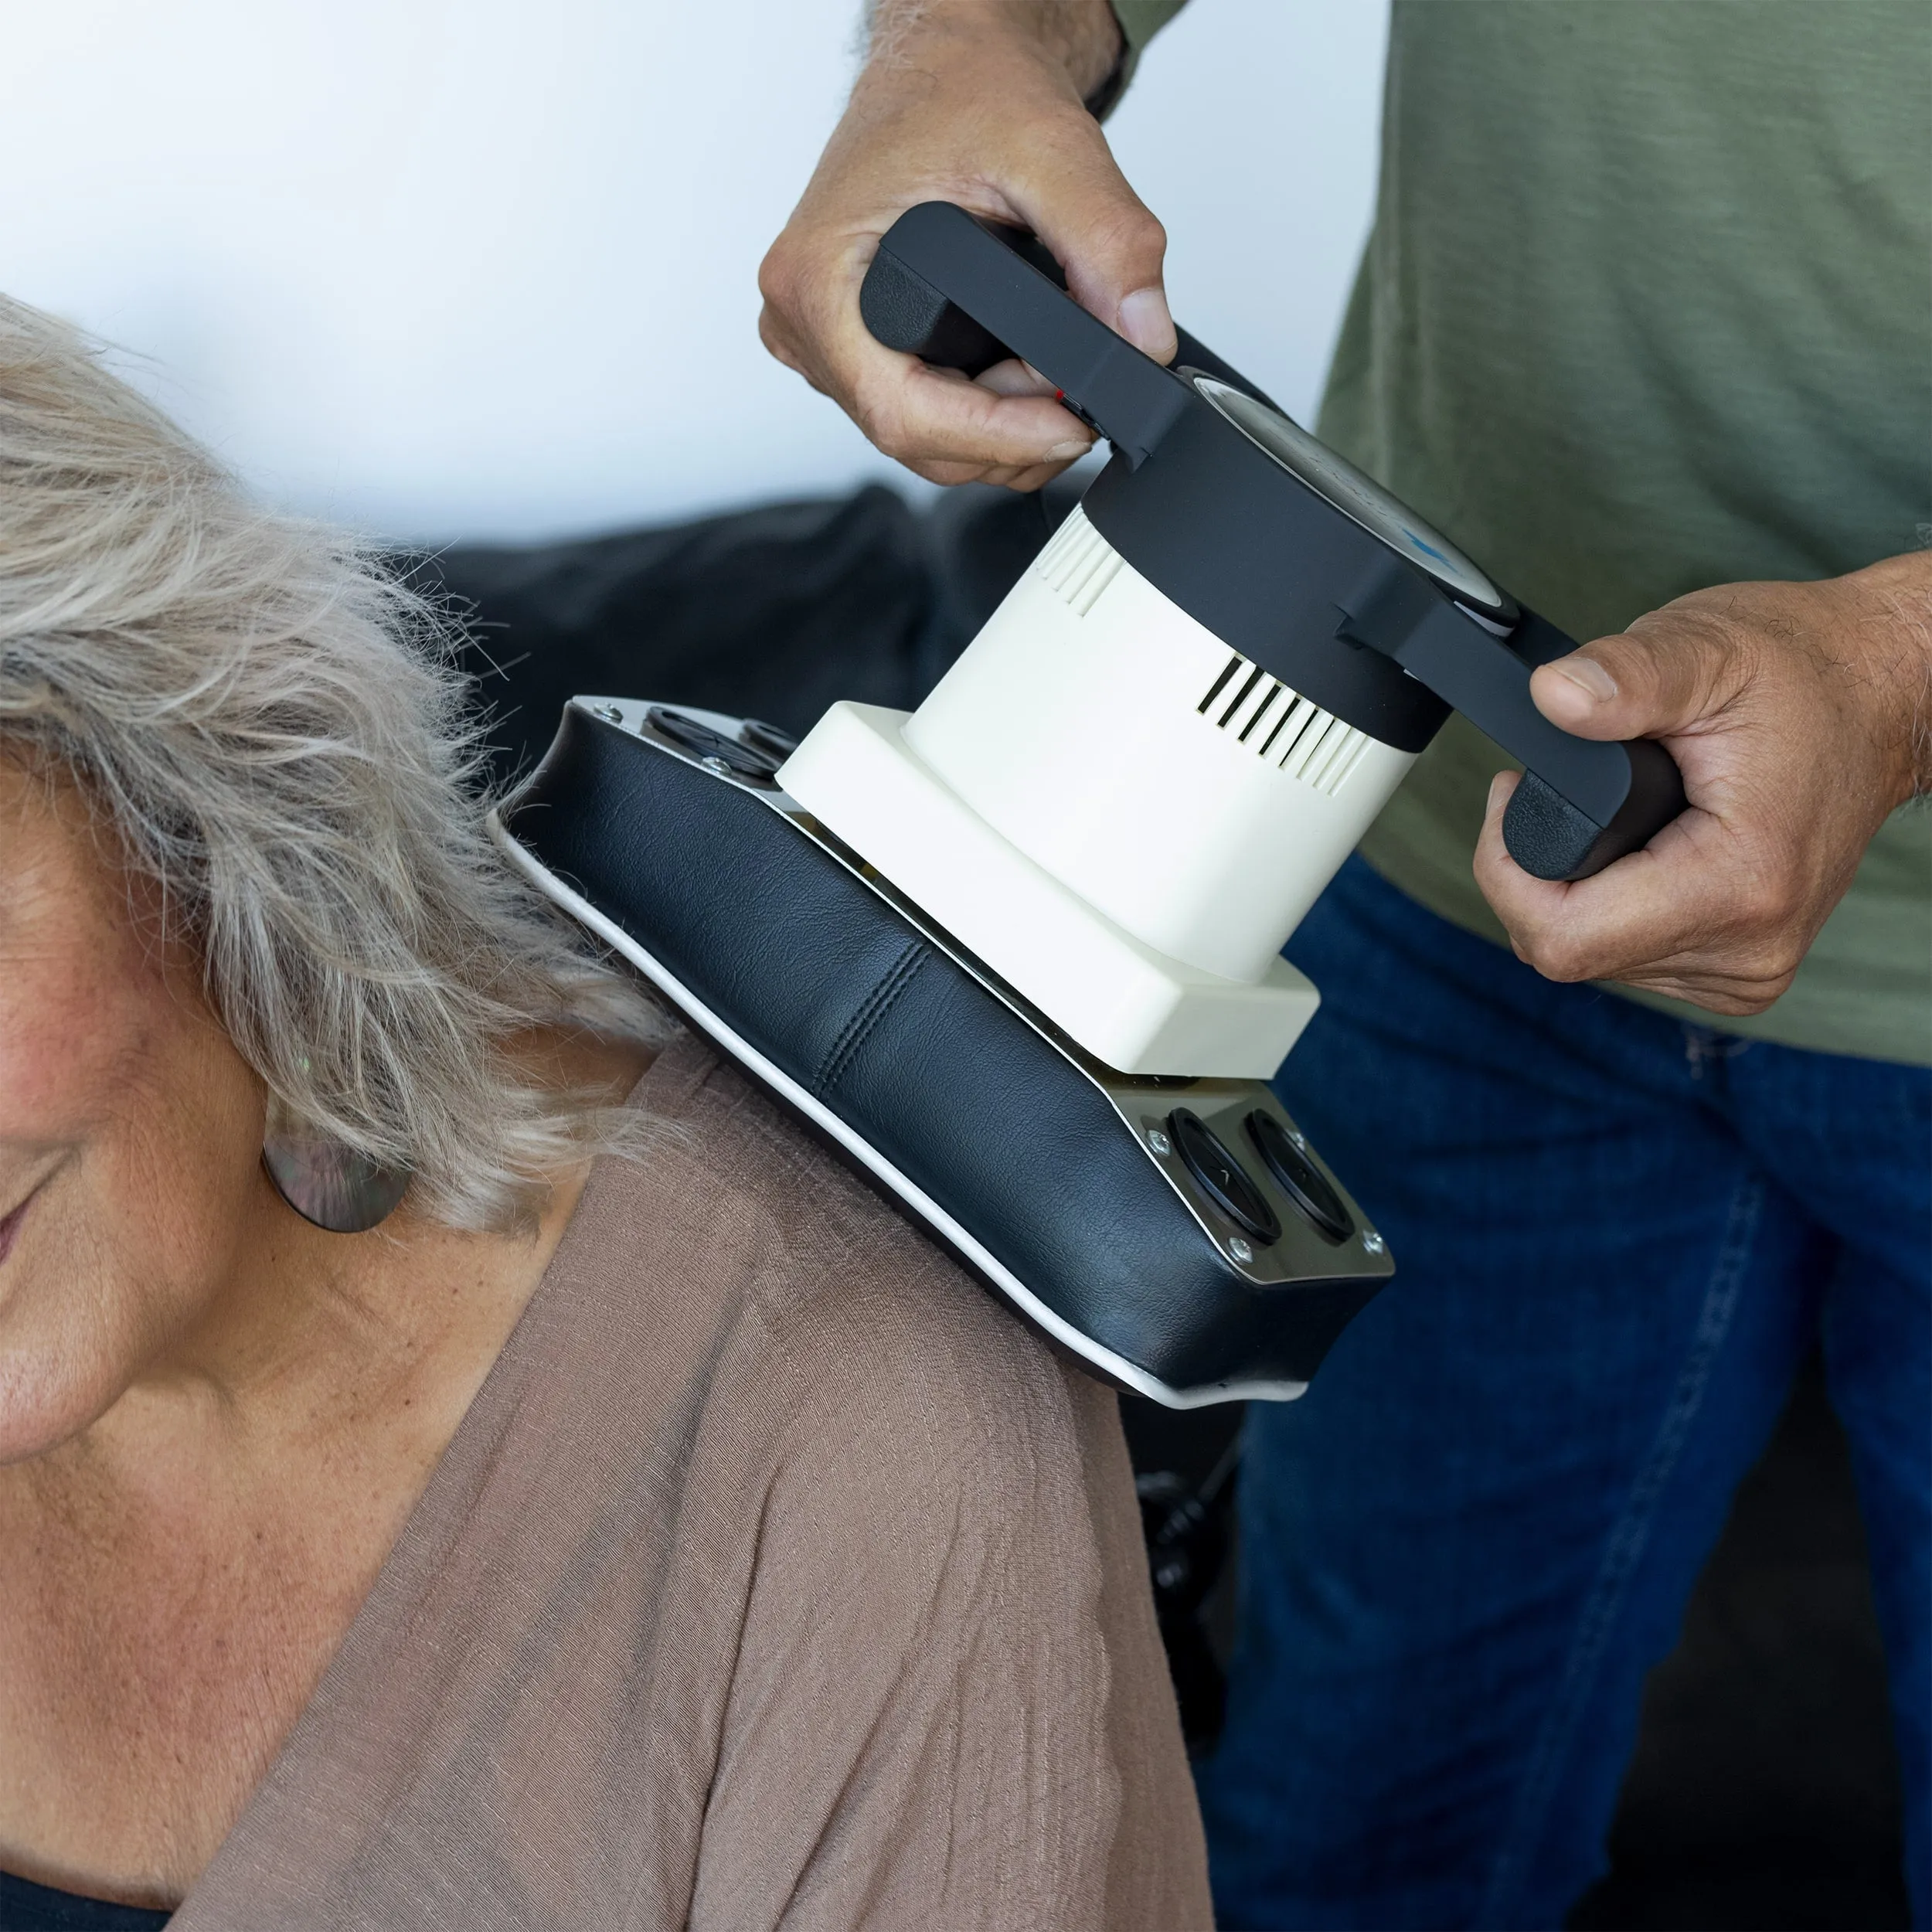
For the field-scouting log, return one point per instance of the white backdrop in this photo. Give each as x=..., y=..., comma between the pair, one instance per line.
x=470, y=267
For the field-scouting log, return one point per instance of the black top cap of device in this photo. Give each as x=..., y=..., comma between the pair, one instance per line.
x=1274, y=541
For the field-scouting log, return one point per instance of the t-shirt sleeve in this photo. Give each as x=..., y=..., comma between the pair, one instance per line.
x=1141, y=20
x=950, y=1707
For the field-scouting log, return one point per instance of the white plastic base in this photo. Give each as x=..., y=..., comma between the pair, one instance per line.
x=1129, y=1005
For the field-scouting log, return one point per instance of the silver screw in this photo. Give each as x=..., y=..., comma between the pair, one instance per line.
x=1371, y=1242
x=1240, y=1250
x=1159, y=1141
x=1295, y=1135
x=719, y=765
x=608, y=712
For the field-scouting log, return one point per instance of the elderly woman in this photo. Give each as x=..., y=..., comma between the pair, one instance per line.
x=466, y=1461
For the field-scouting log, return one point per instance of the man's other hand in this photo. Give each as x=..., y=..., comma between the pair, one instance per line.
x=1797, y=713
x=978, y=102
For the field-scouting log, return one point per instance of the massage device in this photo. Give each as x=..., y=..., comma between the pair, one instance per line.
x=1016, y=954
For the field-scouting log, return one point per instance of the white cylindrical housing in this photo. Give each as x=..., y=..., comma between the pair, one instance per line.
x=1174, y=786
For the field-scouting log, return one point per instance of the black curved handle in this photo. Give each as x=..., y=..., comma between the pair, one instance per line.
x=1545, y=829
x=905, y=310
x=919, y=317
x=1583, y=802
x=964, y=293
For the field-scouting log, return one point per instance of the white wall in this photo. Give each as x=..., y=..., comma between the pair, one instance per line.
x=445, y=267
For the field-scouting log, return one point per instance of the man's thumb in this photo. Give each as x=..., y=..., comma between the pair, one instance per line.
x=1115, y=271
x=1113, y=247
x=1655, y=679
x=1144, y=320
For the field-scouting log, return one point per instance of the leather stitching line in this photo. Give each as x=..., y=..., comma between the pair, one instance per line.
x=909, y=971
x=885, y=1006
x=852, y=1035
x=835, y=1052
x=903, y=976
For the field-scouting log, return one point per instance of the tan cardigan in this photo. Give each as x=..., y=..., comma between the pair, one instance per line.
x=777, y=1577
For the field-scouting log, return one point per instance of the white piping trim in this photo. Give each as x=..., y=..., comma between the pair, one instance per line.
x=920, y=1202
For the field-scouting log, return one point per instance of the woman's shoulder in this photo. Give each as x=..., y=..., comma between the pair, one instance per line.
x=824, y=1284
x=947, y=1600
x=884, y=1433
x=887, y=1600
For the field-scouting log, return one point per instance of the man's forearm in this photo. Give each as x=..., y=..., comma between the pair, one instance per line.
x=1081, y=36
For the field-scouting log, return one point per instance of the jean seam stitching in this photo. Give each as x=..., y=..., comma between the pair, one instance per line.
x=1623, y=1550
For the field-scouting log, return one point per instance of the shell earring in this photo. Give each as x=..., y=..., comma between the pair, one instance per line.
x=330, y=1185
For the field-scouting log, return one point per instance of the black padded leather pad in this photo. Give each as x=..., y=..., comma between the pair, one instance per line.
x=823, y=977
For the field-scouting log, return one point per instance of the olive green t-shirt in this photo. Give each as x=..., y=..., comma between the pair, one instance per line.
x=1648, y=306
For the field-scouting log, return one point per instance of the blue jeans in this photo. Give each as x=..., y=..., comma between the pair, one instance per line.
x=1616, y=1239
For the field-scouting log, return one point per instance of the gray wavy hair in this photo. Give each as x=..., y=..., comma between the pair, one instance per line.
x=276, y=729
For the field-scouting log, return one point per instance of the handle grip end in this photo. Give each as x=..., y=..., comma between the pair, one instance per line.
x=1551, y=838
x=904, y=311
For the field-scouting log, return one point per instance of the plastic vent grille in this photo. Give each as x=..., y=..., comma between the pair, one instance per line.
x=1279, y=725
x=1078, y=564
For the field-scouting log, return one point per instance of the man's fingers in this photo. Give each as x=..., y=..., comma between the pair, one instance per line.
x=989, y=124
x=1592, y=929
x=923, y=416
x=935, y=420
x=1681, y=918
x=1015, y=378
x=1113, y=248
x=1670, y=671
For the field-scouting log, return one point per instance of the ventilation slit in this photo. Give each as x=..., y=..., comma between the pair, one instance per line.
x=1078, y=563
x=1348, y=764
x=1081, y=575
x=1109, y=569
x=1335, y=747
x=1219, y=684
x=1307, y=745
x=1317, y=748
x=1334, y=744
x=1300, y=719
x=1241, y=696
x=1261, y=711
x=1066, y=540
x=1295, y=716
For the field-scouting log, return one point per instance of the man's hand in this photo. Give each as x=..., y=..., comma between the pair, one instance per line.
x=977, y=102
x=1798, y=715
